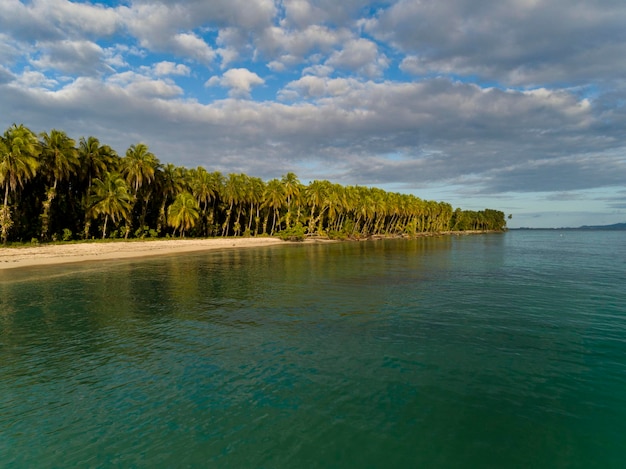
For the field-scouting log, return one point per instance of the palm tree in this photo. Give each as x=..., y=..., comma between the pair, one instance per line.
x=336, y=206
x=205, y=187
x=19, y=151
x=274, y=199
x=95, y=161
x=170, y=181
x=139, y=166
x=60, y=159
x=110, y=197
x=256, y=188
x=183, y=213
x=316, y=196
x=234, y=195
x=292, y=187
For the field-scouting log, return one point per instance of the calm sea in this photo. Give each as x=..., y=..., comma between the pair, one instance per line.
x=496, y=351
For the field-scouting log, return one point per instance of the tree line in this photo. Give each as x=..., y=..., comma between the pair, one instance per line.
x=55, y=188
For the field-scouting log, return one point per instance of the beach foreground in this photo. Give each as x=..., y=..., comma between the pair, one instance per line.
x=51, y=254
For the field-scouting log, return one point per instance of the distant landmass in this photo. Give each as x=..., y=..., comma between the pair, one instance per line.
x=614, y=227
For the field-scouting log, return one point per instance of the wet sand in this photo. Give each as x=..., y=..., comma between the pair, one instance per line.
x=50, y=254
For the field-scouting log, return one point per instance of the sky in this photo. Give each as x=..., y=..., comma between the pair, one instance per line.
x=514, y=105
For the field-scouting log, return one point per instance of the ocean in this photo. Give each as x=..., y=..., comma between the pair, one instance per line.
x=499, y=350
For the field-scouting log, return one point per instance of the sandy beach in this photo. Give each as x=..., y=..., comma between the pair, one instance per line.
x=50, y=254
x=11, y=258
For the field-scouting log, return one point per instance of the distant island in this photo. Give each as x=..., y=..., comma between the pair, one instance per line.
x=614, y=227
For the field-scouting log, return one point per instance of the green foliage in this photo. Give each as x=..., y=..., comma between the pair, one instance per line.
x=183, y=213
x=51, y=188
x=146, y=232
x=295, y=233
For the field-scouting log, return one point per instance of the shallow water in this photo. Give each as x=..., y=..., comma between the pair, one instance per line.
x=479, y=351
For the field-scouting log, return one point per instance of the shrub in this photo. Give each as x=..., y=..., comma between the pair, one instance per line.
x=295, y=233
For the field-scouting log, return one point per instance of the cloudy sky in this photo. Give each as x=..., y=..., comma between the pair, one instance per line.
x=516, y=105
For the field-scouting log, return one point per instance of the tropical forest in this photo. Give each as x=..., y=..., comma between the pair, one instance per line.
x=55, y=188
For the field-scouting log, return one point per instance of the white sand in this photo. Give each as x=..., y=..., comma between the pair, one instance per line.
x=11, y=258
x=48, y=254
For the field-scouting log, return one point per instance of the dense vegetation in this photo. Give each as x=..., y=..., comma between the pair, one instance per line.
x=54, y=188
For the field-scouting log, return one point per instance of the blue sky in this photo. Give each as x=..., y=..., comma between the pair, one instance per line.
x=516, y=105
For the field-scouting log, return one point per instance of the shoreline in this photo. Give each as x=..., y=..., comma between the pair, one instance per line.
x=57, y=254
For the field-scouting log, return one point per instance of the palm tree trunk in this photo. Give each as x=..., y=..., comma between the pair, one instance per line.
x=5, y=216
x=104, y=228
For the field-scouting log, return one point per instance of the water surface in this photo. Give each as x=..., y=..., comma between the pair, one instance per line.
x=478, y=351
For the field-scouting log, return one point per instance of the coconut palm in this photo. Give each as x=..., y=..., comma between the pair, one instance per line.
x=170, y=181
x=95, y=159
x=291, y=187
x=233, y=194
x=139, y=166
x=206, y=188
x=256, y=189
x=19, y=151
x=183, y=213
x=60, y=160
x=274, y=199
x=110, y=197
x=316, y=196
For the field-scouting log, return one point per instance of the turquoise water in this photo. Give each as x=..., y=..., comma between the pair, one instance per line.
x=479, y=351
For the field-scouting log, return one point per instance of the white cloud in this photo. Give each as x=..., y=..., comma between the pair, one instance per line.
x=144, y=86
x=190, y=45
x=239, y=81
x=498, y=95
x=174, y=27
x=292, y=46
x=301, y=13
x=348, y=127
x=79, y=18
x=36, y=80
x=170, y=68
x=22, y=22
x=516, y=42
x=6, y=76
x=82, y=57
x=318, y=70
x=360, y=56
x=310, y=86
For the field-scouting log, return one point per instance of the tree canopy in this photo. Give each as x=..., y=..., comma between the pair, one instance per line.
x=53, y=189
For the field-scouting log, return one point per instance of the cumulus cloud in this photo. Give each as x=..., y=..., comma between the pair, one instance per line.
x=292, y=46
x=23, y=22
x=5, y=75
x=144, y=86
x=484, y=97
x=360, y=56
x=239, y=81
x=514, y=41
x=350, y=126
x=170, y=68
x=193, y=46
x=79, y=18
x=80, y=57
x=35, y=80
x=311, y=86
x=302, y=13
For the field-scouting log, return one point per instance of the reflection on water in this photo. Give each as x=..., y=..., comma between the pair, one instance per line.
x=499, y=351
